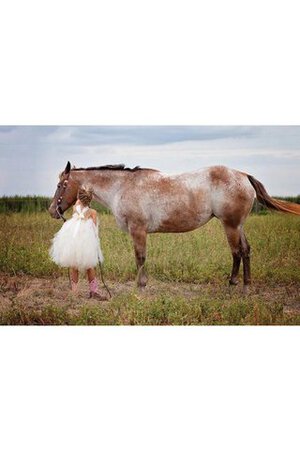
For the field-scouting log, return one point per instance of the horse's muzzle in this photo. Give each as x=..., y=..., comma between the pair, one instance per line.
x=53, y=212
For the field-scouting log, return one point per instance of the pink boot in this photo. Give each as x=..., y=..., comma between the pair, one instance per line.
x=94, y=293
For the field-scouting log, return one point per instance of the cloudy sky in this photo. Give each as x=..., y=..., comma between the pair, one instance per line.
x=32, y=156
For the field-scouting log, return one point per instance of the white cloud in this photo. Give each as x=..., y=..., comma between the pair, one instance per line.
x=35, y=155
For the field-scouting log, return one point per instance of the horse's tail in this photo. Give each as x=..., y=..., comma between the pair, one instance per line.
x=265, y=199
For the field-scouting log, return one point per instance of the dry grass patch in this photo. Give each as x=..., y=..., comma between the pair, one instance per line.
x=188, y=276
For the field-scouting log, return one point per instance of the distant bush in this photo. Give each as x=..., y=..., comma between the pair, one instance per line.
x=260, y=209
x=24, y=204
x=291, y=199
x=34, y=204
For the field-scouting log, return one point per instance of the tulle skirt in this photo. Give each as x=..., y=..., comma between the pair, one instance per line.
x=77, y=245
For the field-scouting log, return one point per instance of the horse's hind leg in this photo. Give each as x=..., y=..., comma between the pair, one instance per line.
x=240, y=249
x=139, y=237
x=246, y=262
x=234, y=240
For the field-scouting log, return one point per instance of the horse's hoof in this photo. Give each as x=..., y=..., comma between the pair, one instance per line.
x=246, y=289
x=142, y=282
x=233, y=282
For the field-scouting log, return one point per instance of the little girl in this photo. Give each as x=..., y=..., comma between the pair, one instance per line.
x=77, y=246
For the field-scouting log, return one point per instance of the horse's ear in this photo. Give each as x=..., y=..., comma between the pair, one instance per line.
x=68, y=168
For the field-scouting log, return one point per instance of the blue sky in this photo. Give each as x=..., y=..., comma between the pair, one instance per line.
x=32, y=156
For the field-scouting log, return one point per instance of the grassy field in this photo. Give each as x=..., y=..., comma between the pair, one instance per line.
x=188, y=276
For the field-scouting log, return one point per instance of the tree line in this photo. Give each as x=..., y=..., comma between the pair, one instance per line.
x=34, y=204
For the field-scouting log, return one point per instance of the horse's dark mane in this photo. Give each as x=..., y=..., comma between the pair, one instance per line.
x=111, y=167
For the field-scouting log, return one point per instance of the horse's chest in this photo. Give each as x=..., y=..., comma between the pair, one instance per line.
x=122, y=221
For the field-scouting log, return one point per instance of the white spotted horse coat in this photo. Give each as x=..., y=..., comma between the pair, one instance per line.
x=147, y=201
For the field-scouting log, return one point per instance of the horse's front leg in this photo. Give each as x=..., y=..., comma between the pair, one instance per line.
x=139, y=236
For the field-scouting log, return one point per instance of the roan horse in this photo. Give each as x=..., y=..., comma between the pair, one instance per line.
x=148, y=201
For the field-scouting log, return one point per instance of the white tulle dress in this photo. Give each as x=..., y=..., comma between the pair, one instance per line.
x=77, y=242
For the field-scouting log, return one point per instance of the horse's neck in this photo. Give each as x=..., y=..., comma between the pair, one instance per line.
x=105, y=184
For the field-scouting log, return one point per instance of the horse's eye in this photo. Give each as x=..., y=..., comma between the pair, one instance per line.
x=58, y=186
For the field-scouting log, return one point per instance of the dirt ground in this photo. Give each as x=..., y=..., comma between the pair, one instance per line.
x=38, y=292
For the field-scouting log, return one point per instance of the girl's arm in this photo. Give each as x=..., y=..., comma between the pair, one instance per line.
x=94, y=216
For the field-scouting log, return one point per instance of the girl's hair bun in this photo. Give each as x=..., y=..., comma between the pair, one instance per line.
x=85, y=195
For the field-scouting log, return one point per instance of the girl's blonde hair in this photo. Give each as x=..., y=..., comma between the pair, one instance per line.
x=85, y=195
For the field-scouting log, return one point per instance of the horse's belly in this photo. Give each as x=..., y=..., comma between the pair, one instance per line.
x=182, y=221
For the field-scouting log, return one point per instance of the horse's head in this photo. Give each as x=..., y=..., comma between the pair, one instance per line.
x=65, y=194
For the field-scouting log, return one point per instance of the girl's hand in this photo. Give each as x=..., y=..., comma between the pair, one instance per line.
x=94, y=216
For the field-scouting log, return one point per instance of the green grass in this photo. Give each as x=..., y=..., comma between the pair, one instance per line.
x=165, y=310
x=197, y=257
x=188, y=274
